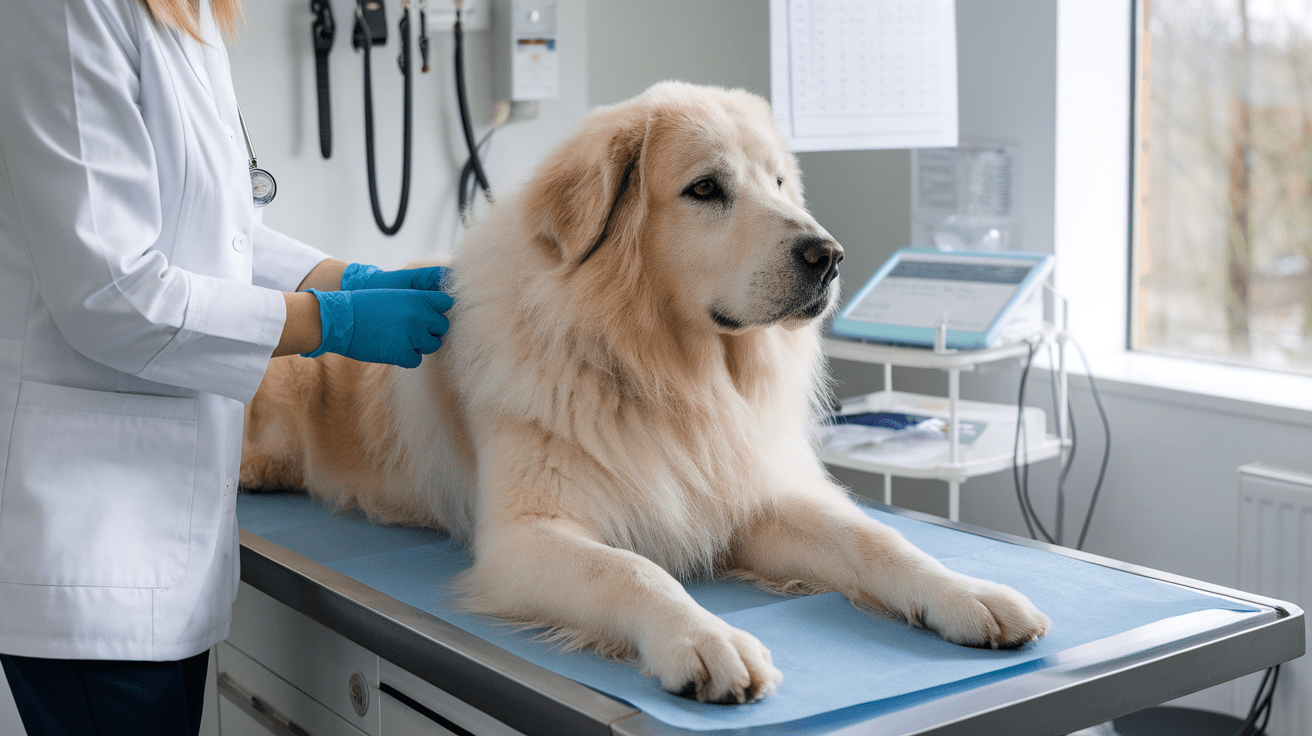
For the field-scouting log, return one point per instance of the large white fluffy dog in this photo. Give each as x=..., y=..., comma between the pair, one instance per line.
x=627, y=398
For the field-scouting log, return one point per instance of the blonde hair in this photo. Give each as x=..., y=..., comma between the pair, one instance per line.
x=184, y=15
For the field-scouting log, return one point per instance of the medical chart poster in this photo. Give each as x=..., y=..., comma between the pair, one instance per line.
x=864, y=74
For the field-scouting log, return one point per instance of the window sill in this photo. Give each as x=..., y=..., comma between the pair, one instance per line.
x=1200, y=385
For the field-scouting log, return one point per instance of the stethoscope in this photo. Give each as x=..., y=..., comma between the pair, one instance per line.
x=263, y=186
x=363, y=39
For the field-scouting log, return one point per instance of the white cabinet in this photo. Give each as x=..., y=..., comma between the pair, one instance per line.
x=993, y=450
x=282, y=673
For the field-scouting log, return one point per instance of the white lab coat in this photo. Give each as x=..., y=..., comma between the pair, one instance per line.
x=139, y=306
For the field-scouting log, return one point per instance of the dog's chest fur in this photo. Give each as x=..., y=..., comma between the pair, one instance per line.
x=668, y=475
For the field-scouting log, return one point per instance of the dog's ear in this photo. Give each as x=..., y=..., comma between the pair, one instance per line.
x=588, y=191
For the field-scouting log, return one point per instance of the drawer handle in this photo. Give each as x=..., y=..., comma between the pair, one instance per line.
x=259, y=709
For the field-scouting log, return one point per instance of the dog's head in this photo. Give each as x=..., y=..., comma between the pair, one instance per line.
x=690, y=193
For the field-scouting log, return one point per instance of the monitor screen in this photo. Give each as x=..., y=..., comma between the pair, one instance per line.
x=917, y=290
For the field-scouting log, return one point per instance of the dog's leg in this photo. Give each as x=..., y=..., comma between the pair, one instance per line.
x=823, y=538
x=553, y=572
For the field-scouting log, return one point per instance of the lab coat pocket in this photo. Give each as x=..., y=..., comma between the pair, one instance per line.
x=98, y=489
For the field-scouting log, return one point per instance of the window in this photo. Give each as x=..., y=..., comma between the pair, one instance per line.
x=1222, y=264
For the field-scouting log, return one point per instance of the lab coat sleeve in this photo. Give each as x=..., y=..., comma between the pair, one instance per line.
x=282, y=262
x=85, y=205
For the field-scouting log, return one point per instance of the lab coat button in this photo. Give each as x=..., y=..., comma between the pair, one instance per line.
x=239, y=242
x=229, y=487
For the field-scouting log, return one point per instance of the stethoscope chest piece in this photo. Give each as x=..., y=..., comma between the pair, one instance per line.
x=263, y=186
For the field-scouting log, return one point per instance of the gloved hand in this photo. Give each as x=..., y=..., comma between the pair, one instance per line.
x=361, y=276
x=394, y=326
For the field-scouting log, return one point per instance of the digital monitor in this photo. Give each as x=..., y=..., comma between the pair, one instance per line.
x=977, y=294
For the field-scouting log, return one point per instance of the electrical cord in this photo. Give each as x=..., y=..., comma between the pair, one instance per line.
x=1015, y=450
x=462, y=98
x=407, y=113
x=465, y=190
x=1106, y=449
x=1074, y=444
x=1261, y=707
x=1017, y=465
x=1065, y=470
x=1020, y=463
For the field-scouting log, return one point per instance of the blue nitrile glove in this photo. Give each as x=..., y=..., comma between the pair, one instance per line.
x=361, y=276
x=395, y=326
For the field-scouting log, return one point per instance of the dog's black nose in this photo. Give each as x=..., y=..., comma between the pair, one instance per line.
x=819, y=256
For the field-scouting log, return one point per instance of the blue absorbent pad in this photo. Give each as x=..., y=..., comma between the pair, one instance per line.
x=832, y=655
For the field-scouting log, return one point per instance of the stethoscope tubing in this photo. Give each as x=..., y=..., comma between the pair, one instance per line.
x=407, y=112
x=463, y=100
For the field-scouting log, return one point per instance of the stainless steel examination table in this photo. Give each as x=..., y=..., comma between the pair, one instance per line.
x=1123, y=637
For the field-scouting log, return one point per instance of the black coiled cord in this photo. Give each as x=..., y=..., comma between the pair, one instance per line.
x=463, y=99
x=404, y=61
x=1262, y=705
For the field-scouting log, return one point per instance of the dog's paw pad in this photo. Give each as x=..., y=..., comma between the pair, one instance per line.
x=980, y=613
x=719, y=664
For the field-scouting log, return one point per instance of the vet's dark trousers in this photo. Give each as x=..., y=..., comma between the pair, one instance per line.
x=75, y=697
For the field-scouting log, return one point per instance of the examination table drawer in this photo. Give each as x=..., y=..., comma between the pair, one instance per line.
x=280, y=667
x=255, y=702
x=312, y=658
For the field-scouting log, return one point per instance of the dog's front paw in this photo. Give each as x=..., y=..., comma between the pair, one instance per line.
x=712, y=662
x=980, y=613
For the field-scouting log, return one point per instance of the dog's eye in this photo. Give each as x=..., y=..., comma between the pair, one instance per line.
x=705, y=189
x=779, y=181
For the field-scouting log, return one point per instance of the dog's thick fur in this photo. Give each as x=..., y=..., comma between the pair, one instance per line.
x=627, y=398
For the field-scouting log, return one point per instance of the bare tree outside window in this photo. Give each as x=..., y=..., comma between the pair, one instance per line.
x=1223, y=182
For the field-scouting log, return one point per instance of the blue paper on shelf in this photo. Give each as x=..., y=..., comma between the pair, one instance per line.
x=833, y=656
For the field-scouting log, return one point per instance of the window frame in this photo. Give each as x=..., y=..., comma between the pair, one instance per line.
x=1096, y=115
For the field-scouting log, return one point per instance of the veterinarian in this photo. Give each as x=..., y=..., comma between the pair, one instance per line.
x=140, y=301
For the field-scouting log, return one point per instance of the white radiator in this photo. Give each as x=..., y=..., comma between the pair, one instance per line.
x=1275, y=560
